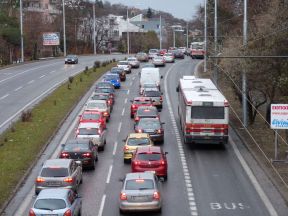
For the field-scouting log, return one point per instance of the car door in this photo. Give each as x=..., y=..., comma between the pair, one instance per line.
x=93, y=148
x=74, y=203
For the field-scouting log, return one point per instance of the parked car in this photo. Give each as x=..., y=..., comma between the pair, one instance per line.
x=133, y=62
x=83, y=150
x=153, y=127
x=56, y=202
x=140, y=192
x=169, y=58
x=150, y=158
x=125, y=65
x=71, y=59
x=120, y=72
x=93, y=116
x=94, y=132
x=146, y=112
x=156, y=97
x=133, y=141
x=100, y=106
x=142, y=57
x=138, y=102
x=114, y=79
x=62, y=173
x=158, y=61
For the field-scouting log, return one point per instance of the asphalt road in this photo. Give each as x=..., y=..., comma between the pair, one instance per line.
x=24, y=85
x=204, y=181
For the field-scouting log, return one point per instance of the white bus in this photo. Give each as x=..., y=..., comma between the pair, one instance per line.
x=197, y=50
x=203, y=111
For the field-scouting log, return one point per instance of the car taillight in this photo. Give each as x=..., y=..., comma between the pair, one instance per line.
x=123, y=196
x=109, y=102
x=105, y=113
x=136, y=162
x=137, y=118
x=226, y=104
x=64, y=155
x=126, y=148
x=68, y=213
x=156, y=195
x=133, y=106
x=77, y=132
x=161, y=98
x=32, y=213
x=40, y=180
x=139, y=130
x=68, y=180
x=162, y=162
x=87, y=155
x=159, y=131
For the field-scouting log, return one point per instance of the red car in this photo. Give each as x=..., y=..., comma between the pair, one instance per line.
x=93, y=116
x=150, y=158
x=138, y=102
x=162, y=52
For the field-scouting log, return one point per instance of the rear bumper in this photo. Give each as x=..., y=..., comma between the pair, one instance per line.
x=39, y=188
x=141, y=206
x=159, y=171
x=206, y=139
x=157, y=137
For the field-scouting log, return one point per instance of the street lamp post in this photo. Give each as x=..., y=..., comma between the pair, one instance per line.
x=94, y=29
x=128, y=42
x=174, y=38
x=215, y=42
x=205, y=35
x=244, y=78
x=21, y=31
x=64, y=28
x=160, y=32
x=187, y=35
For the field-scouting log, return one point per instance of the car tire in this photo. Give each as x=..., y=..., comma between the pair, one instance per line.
x=126, y=161
x=121, y=212
x=79, y=213
x=81, y=181
x=92, y=167
x=131, y=116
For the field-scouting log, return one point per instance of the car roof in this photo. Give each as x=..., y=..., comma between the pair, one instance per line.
x=96, y=101
x=147, y=107
x=57, y=162
x=142, y=98
x=122, y=61
x=149, y=149
x=78, y=141
x=92, y=112
x=139, y=175
x=138, y=135
x=89, y=125
x=53, y=193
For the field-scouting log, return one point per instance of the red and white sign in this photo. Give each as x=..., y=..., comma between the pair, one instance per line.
x=279, y=116
x=51, y=39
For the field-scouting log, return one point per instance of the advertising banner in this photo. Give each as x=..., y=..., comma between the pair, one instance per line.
x=51, y=39
x=279, y=116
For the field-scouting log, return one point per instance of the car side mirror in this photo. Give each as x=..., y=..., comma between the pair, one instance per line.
x=162, y=123
x=80, y=116
x=161, y=179
x=161, y=93
x=121, y=179
x=124, y=140
x=166, y=153
x=177, y=89
x=161, y=77
x=62, y=145
x=131, y=101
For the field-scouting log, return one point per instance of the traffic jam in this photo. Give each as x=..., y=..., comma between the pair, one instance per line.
x=58, y=181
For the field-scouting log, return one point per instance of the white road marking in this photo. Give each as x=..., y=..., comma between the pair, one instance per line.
x=1, y=98
x=119, y=127
x=51, y=72
x=126, y=100
x=131, y=83
x=188, y=183
x=17, y=89
x=128, y=92
x=30, y=82
x=109, y=174
x=115, y=148
x=133, y=78
x=123, y=111
x=102, y=205
x=254, y=181
x=42, y=76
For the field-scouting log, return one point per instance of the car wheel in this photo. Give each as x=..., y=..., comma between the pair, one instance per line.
x=131, y=116
x=126, y=161
x=121, y=212
x=96, y=158
x=165, y=177
x=79, y=213
x=81, y=181
x=92, y=167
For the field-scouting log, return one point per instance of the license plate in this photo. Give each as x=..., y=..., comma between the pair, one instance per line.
x=53, y=183
x=139, y=198
x=50, y=215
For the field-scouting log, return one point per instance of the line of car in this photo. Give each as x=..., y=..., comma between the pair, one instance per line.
x=59, y=179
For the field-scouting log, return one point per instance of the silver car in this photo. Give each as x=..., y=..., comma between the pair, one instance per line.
x=158, y=61
x=140, y=192
x=124, y=65
x=57, y=202
x=62, y=173
x=133, y=62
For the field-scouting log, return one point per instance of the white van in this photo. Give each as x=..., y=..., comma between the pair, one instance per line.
x=150, y=75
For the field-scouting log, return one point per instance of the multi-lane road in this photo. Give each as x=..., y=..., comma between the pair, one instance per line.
x=205, y=181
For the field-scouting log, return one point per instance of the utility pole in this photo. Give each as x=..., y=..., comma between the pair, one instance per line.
x=174, y=37
x=187, y=35
x=160, y=32
x=21, y=31
x=205, y=35
x=128, y=43
x=244, y=78
x=64, y=28
x=215, y=43
x=94, y=28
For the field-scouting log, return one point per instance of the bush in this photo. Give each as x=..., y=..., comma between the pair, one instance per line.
x=97, y=64
x=71, y=79
x=26, y=116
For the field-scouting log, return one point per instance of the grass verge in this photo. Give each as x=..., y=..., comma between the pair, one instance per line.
x=21, y=144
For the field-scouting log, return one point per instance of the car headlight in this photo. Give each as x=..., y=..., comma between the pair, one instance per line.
x=66, y=59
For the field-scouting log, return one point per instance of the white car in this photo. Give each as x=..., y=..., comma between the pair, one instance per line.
x=93, y=131
x=169, y=57
x=158, y=61
x=133, y=62
x=100, y=106
x=124, y=65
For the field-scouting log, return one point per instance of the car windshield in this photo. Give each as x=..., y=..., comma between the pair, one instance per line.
x=77, y=147
x=149, y=124
x=88, y=131
x=153, y=51
x=91, y=116
x=96, y=105
x=147, y=112
x=168, y=54
x=148, y=66
x=50, y=204
x=138, y=141
x=54, y=172
x=103, y=84
x=150, y=85
x=115, y=69
x=70, y=56
x=148, y=156
x=139, y=184
x=152, y=93
x=122, y=63
x=157, y=58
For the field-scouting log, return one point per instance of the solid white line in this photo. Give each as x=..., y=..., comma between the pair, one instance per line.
x=42, y=76
x=30, y=82
x=254, y=181
x=123, y=111
x=102, y=205
x=109, y=174
x=115, y=148
x=4, y=96
x=17, y=89
x=119, y=127
x=126, y=100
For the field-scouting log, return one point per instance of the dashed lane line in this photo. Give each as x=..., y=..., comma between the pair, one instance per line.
x=42, y=76
x=123, y=111
x=17, y=89
x=102, y=205
x=119, y=127
x=109, y=174
x=4, y=96
x=115, y=148
x=31, y=81
x=126, y=100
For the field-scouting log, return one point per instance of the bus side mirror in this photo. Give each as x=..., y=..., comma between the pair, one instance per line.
x=177, y=89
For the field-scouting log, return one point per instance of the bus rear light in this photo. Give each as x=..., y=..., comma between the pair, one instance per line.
x=226, y=104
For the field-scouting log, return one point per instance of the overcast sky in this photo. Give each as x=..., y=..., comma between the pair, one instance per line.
x=183, y=9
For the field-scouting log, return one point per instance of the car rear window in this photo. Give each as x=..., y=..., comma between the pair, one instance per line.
x=139, y=184
x=54, y=172
x=91, y=116
x=50, y=204
x=149, y=124
x=149, y=156
x=88, y=131
x=77, y=147
x=97, y=105
x=138, y=141
x=99, y=97
x=147, y=112
x=105, y=90
x=152, y=93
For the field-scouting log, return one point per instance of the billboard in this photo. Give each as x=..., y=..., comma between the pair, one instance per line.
x=51, y=39
x=279, y=116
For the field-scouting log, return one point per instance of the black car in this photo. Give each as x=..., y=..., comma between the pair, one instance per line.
x=179, y=54
x=81, y=150
x=120, y=71
x=111, y=92
x=156, y=97
x=153, y=127
x=146, y=112
x=71, y=59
